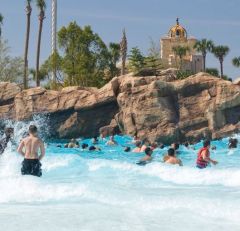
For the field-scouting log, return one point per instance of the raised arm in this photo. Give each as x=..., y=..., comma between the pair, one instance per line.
x=20, y=148
x=42, y=150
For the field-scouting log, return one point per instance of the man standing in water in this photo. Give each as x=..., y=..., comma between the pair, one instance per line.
x=31, y=164
x=203, y=158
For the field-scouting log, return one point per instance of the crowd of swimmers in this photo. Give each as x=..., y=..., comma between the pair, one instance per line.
x=171, y=156
x=31, y=144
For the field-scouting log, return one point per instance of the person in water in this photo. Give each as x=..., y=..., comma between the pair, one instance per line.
x=84, y=146
x=175, y=147
x=72, y=144
x=172, y=159
x=232, y=143
x=138, y=147
x=4, y=142
x=95, y=140
x=31, y=164
x=203, y=157
x=127, y=149
x=94, y=148
x=145, y=144
x=112, y=141
x=147, y=158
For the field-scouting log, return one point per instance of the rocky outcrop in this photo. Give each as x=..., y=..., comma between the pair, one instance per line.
x=159, y=108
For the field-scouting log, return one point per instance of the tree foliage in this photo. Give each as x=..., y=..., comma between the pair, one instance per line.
x=85, y=56
x=220, y=52
x=236, y=61
x=114, y=56
x=11, y=69
x=136, y=60
x=203, y=46
x=212, y=71
x=180, y=52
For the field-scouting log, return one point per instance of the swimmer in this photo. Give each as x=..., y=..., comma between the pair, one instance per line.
x=161, y=146
x=138, y=147
x=154, y=145
x=31, y=164
x=175, y=147
x=112, y=142
x=94, y=148
x=232, y=143
x=73, y=144
x=127, y=149
x=186, y=144
x=3, y=142
x=203, y=158
x=147, y=158
x=95, y=140
x=145, y=144
x=172, y=158
x=84, y=146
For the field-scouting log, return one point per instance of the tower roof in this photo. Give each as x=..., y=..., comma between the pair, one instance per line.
x=177, y=31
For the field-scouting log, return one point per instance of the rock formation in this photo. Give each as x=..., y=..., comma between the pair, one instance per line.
x=159, y=108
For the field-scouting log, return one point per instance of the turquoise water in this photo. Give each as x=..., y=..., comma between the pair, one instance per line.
x=106, y=190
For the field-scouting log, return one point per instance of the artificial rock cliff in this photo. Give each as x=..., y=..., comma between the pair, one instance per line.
x=158, y=108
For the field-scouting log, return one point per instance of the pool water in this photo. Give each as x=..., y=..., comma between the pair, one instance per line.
x=106, y=190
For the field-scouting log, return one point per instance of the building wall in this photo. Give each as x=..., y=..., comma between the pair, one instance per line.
x=192, y=62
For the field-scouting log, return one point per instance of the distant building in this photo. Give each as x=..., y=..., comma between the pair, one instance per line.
x=177, y=36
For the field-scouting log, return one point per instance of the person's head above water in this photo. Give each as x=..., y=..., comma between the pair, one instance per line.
x=8, y=132
x=206, y=143
x=32, y=130
x=127, y=149
x=92, y=148
x=84, y=146
x=148, y=151
x=175, y=146
x=171, y=152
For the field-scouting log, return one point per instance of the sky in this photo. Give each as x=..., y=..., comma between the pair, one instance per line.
x=218, y=20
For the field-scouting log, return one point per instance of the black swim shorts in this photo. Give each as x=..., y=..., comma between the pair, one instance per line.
x=31, y=167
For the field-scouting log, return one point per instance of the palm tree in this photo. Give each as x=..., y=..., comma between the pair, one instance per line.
x=180, y=51
x=28, y=12
x=203, y=46
x=220, y=52
x=236, y=61
x=1, y=23
x=41, y=5
x=123, y=49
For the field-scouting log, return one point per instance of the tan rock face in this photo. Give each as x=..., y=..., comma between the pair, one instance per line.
x=159, y=108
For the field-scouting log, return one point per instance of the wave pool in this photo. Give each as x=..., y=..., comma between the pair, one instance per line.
x=105, y=190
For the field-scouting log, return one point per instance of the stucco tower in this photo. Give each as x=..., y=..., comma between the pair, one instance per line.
x=178, y=36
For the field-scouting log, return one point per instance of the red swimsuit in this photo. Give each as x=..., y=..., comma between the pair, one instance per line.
x=201, y=163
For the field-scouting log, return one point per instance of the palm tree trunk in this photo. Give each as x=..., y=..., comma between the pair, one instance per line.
x=25, y=78
x=204, y=63
x=38, y=49
x=221, y=67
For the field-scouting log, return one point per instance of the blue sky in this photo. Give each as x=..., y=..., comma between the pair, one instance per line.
x=218, y=20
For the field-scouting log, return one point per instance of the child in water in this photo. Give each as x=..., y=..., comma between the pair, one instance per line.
x=172, y=159
x=203, y=158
